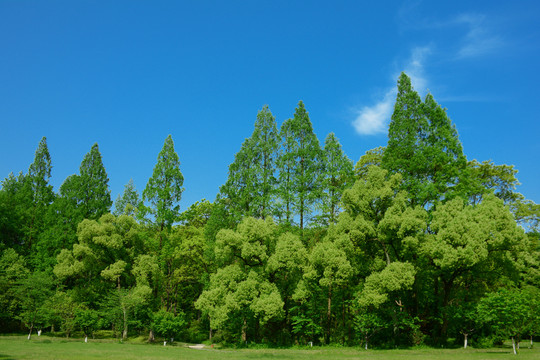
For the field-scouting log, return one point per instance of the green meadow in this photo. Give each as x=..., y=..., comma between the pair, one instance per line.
x=45, y=348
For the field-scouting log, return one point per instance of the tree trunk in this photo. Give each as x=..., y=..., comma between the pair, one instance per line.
x=465, y=341
x=125, y=332
x=210, y=335
x=329, y=314
x=30, y=333
x=366, y=338
x=151, y=336
x=514, y=345
x=244, y=331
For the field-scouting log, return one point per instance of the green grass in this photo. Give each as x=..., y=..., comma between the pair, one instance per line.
x=45, y=348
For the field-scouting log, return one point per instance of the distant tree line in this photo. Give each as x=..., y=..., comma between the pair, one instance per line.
x=413, y=244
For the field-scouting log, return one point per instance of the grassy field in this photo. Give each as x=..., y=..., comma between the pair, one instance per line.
x=45, y=348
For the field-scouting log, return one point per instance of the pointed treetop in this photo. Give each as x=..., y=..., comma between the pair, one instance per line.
x=164, y=188
x=39, y=174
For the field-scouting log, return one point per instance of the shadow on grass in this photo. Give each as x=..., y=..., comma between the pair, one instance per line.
x=6, y=357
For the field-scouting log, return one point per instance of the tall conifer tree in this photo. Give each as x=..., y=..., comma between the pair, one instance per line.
x=423, y=146
x=95, y=195
x=250, y=186
x=300, y=166
x=338, y=174
x=164, y=189
x=265, y=145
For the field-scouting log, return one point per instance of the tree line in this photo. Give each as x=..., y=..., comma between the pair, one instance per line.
x=413, y=244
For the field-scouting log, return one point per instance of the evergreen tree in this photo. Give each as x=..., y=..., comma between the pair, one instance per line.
x=94, y=196
x=128, y=202
x=250, y=186
x=286, y=164
x=265, y=145
x=423, y=146
x=239, y=191
x=164, y=189
x=38, y=177
x=39, y=174
x=300, y=166
x=338, y=174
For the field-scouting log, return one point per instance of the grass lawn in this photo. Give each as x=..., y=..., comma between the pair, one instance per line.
x=45, y=348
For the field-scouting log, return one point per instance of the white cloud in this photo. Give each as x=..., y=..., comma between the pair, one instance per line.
x=374, y=119
x=479, y=40
x=371, y=120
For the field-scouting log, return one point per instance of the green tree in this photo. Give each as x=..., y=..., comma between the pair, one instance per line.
x=240, y=292
x=38, y=177
x=423, y=146
x=239, y=191
x=13, y=270
x=15, y=201
x=505, y=311
x=338, y=174
x=164, y=188
x=251, y=185
x=371, y=157
x=469, y=247
x=265, y=140
x=168, y=324
x=300, y=167
x=128, y=202
x=34, y=291
x=94, y=194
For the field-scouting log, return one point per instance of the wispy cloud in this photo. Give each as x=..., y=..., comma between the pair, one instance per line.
x=371, y=120
x=374, y=119
x=479, y=39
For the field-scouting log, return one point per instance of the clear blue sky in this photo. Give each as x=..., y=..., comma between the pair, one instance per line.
x=125, y=74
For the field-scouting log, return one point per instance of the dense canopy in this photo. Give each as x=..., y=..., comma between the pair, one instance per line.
x=415, y=244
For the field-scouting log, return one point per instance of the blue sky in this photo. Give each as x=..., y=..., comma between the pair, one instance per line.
x=125, y=74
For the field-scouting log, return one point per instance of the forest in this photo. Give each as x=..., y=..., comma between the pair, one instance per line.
x=412, y=244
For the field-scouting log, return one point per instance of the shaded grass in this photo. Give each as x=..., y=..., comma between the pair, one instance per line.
x=45, y=348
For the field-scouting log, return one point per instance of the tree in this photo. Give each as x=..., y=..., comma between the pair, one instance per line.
x=423, y=146
x=506, y=312
x=128, y=202
x=13, y=270
x=251, y=185
x=87, y=320
x=239, y=191
x=164, y=188
x=34, y=291
x=15, y=202
x=168, y=324
x=338, y=174
x=38, y=177
x=330, y=268
x=95, y=196
x=371, y=157
x=300, y=167
x=240, y=291
x=265, y=143
x=471, y=246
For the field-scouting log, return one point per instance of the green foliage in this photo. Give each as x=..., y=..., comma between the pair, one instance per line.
x=128, y=202
x=164, y=189
x=371, y=157
x=423, y=146
x=33, y=292
x=338, y=175
x=300, y=168
x=292, y=251
x=93, y=186
x=168, y=324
